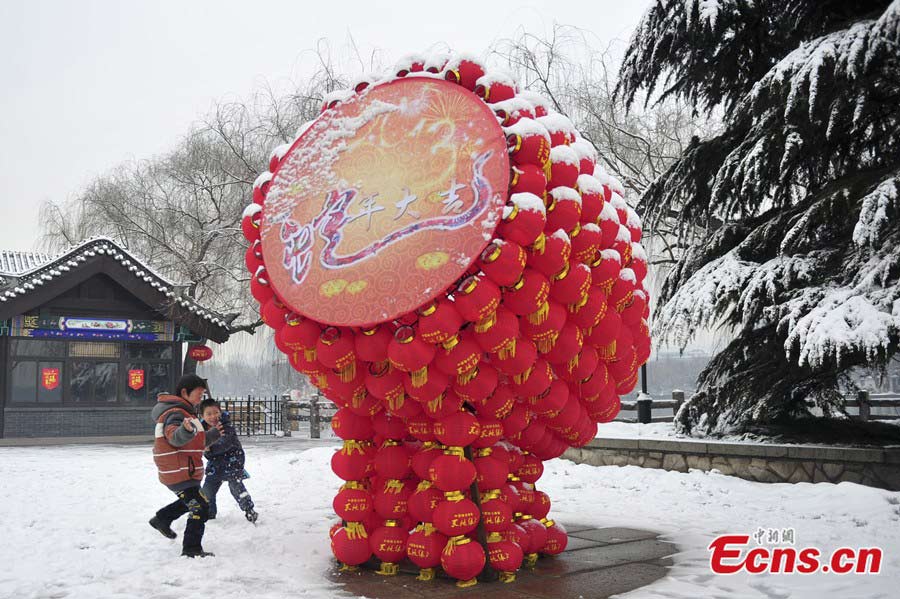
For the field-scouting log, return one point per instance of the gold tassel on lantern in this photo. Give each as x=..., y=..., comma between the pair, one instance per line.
x=486, y=323
x=607, y=352
x=580, y=304
x=508, y=351
x=309, y=354
x=540, y=243
x=546, y=342
x=426, y=574
x=539, y=316
x=466, y=377
x=356, y=530
x=521, y=378
x=419, y=377
x=437, y=403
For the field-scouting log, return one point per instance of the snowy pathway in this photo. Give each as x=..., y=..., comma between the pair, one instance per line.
x=74, y=522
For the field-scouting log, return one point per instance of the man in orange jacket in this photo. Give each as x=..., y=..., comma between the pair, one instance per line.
x=178, y=453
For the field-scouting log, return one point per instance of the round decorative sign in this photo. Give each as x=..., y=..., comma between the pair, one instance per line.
x=384, y=201
x=200, y=353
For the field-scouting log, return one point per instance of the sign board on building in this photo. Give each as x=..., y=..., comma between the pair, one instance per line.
x=200, y=353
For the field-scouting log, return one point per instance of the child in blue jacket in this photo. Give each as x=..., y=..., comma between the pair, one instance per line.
x=224, y=462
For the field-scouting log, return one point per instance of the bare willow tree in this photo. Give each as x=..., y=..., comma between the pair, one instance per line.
x=577, y=73
x=181, y=211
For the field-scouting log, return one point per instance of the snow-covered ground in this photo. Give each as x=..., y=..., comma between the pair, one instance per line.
x=74, y=523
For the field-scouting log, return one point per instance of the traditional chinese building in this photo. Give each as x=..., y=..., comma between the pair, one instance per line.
x=88, y=338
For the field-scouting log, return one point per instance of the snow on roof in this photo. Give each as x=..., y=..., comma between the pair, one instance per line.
x=15, y=262
x=39, y=272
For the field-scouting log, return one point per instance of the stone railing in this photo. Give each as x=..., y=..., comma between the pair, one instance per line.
x=875, y=467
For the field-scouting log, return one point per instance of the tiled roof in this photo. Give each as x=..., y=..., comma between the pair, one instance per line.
x=35, y=270
x=14, y=263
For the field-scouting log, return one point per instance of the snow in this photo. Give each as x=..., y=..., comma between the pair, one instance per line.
x=875, y=212
x=86, y=543
x=250, y=210
x=525, y=127
x=584, y=149
x=608, y=212
x=527, y=201
x=589, y=184
x=565, y=194
x=493, y=76
x=564, y=155
x=611, y=255
x=556, y=122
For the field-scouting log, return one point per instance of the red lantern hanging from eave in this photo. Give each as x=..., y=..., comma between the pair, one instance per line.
x=463, y=559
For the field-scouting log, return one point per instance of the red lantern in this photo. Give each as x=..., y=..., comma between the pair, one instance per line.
x=491, y=472
x=505, y=556
x=299, y=335
x=528, y=294
x=451, y=472
x=458, y=429
x=605, y=270
x=411, y=354
x=353, y=502
x=426, y=387
x=557, y=539
x=540, y=507
x=389, y=427
x=476, y=298
x=335, y=349
x=515, y=421
x=420, y=427
x=516, y=534
x=388, y=543
x=528, y=142
x=350, y=544
x=465, y=72
x=495, y=88
x=384, y=382
x=392, y=460
x=439, y=321
x=563, y=209
x=424, y=547
x=443, y=405
x=498, y=405
x=458, y=356
x=495, y=513
x=423, y=501
x=586, y=242
x=371, y=344
x=353, y=461
x=456, y=515
x=517, y=361
x=567, y=345
x=551, y=401
x=391, y=499
x=503, y=261
x=524, y=217
x=250, y=221
x=259, y=286
x=510, y=495
x=350, y=426
x=553, y=255
x=592, y=199
x=498, y=332
x=478, y=385
x=570, y=286
x=253, y=257
x=273, y=313
x=422, y=458
x=464, y=560
x=531, y=469
x=491, y=432
x=534, y=381
x=536, y=534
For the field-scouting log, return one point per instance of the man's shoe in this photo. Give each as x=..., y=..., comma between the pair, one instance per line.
x=163, y=527
x=197, y=553
x=251, y=516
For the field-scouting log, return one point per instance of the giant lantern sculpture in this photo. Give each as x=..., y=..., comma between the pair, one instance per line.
x=441, y=254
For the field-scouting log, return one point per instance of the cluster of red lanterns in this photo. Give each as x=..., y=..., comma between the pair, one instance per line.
x=448, y=412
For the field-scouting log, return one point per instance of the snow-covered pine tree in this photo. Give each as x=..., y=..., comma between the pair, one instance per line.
x=796, y=202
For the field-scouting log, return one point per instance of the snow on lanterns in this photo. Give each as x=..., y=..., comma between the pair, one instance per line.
x=501, y=309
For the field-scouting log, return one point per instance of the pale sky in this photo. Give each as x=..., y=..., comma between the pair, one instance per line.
x=89, y=84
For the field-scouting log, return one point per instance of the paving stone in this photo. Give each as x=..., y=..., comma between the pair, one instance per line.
x=596, y=584
x=614, y=535
x=577, y=542
x=623, y=553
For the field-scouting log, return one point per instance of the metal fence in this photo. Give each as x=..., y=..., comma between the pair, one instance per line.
x=866, y=406
x=255, y=415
